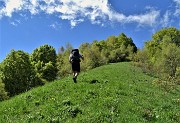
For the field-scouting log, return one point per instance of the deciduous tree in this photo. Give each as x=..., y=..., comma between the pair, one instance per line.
x=18, y=74
x=44, y=61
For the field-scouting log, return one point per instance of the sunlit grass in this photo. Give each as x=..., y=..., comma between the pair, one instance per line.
x=112, y=93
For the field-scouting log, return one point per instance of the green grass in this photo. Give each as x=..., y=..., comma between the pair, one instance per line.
x=112, y=93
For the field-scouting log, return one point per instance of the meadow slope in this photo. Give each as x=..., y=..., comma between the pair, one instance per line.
x=116, y=92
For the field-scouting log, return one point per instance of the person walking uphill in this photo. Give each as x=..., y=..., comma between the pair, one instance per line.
x=75, y=59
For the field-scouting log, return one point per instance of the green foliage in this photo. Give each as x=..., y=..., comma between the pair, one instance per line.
x=117, y=55
x=44, y=62
x=45, y=54
x=63, y=65
x=170, y=59
x=89, y=59
x=114, y=49
x=177, y=75
x=17, y=72
x=49, y=72
x=3, y=93
x=92, y=56
x=120, y=48
x=118, y=93
x=172, y=33
x=161, y=56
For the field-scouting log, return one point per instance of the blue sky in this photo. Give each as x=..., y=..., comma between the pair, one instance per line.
x=28, y=24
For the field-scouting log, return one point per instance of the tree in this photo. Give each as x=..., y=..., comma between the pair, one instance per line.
x=172, y=33
x=17, y=72
x=120, y=48
x=85, y=49
x=92, y=54
x=124, y=40
x=44, y=61
x=45, y=53
x=170, y=59
x=63, y=65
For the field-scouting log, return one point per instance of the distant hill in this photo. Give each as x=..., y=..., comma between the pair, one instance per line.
x=116, y=92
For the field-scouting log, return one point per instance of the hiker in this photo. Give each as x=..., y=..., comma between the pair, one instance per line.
x=75, y=59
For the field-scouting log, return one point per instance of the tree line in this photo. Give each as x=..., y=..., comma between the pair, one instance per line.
x=113, y=49
x=21, y=71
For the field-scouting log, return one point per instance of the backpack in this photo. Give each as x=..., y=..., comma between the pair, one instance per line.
x=75, y=55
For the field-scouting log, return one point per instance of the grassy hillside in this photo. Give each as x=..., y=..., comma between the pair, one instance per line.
x=111, y=93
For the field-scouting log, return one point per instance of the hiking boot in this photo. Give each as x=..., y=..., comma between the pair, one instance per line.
x=74, y=79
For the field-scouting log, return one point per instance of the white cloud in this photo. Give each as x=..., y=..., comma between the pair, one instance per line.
x=15, y=23
x=11, y=6
x=150, y=18
x=55, y=26
x=76, y=11
x=75, y=22
x=177, y=11
x=166, y=20
x=32, y=6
